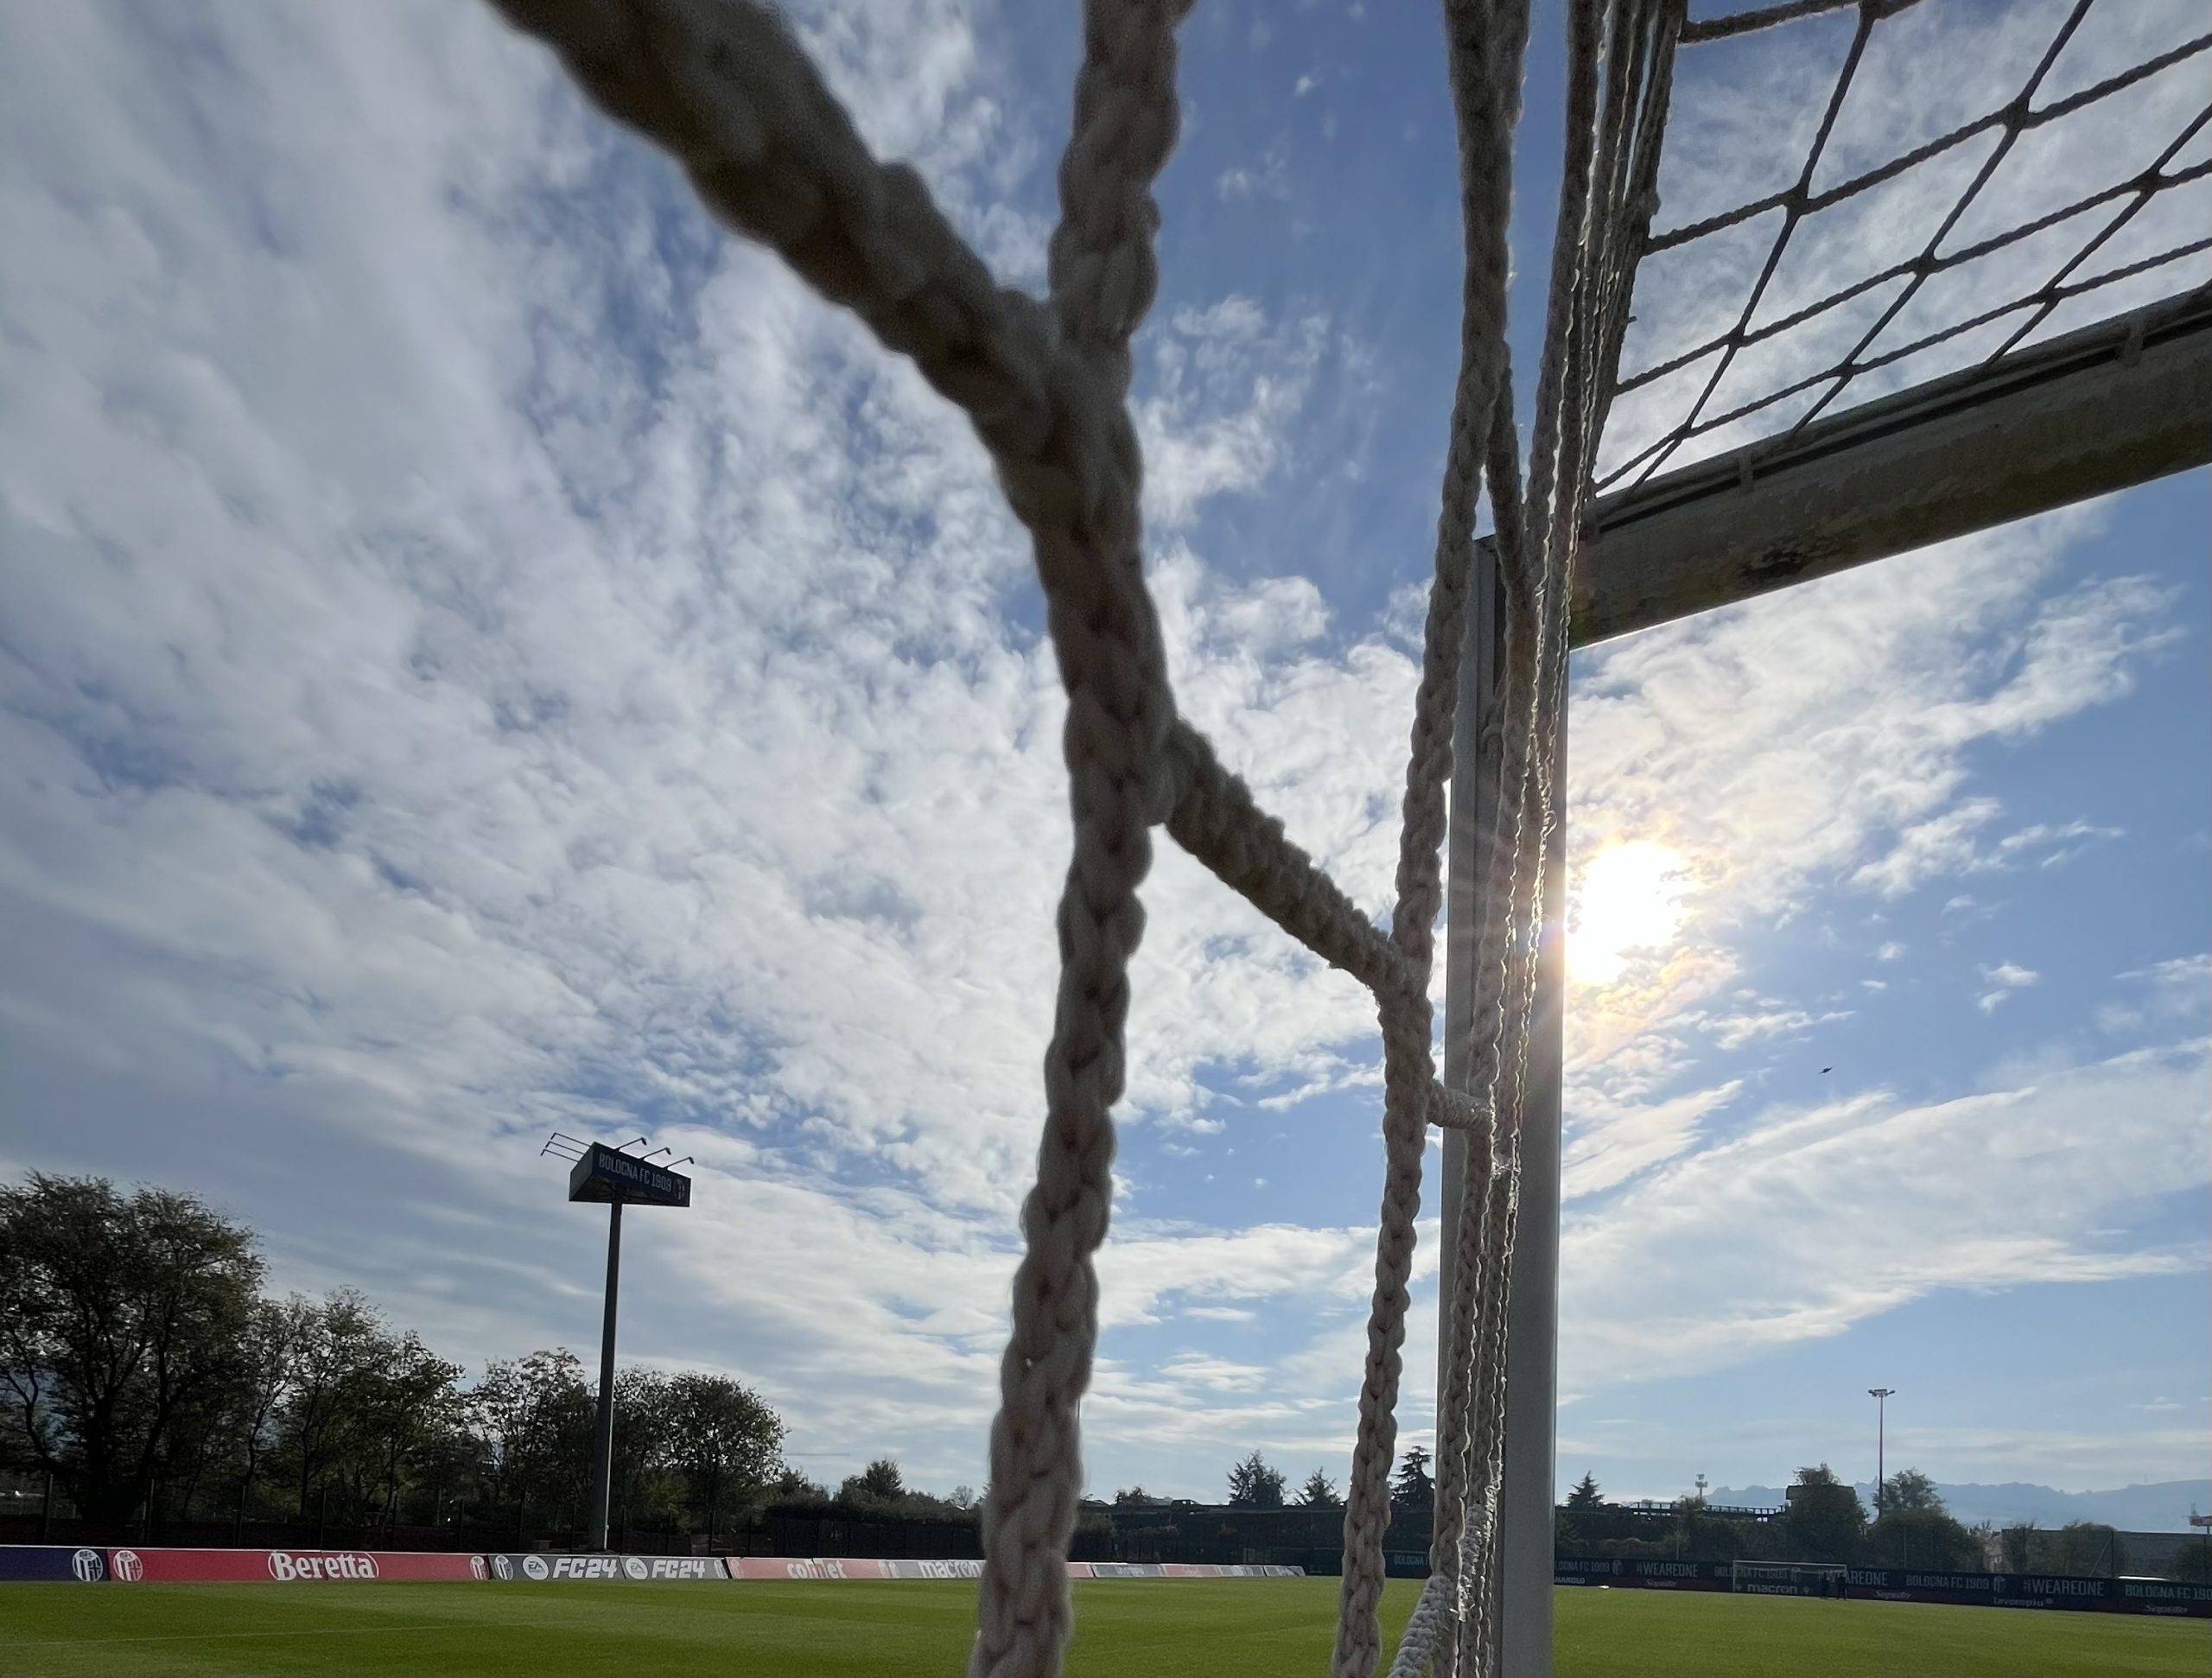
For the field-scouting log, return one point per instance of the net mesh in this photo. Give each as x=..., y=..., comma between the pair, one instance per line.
x=2065, y=176
x=721, y=85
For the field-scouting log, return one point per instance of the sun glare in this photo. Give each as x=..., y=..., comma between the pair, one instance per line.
x=1629, y=901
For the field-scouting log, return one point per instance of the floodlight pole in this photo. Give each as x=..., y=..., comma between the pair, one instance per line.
x=602, y=1457
x=1881, y=1395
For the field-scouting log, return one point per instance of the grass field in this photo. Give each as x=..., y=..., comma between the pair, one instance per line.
x=1228, y=1627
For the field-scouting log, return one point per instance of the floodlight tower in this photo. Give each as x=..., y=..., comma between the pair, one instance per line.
x=616, y=1178
x=1881, y=1395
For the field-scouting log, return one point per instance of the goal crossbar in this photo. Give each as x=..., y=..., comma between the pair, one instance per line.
x=2092, y=412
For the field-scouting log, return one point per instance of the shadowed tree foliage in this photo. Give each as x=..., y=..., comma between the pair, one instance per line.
x=1412, y=1488
x=535, y=1416
x=1319, y=1492
x=1909, y=1491
x=726, y=1443
x=122, y=1322
x=139, y=1367
x=1826, y=1517
x=1916, y=1530
x=1253, y=1484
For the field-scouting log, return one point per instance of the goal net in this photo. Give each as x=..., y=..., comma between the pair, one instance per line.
x=1934, y=185
x=1789, y=1579
x=723, y=86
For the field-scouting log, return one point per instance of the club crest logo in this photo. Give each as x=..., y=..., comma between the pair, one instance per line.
x=127, y=1567
x=88, y=1566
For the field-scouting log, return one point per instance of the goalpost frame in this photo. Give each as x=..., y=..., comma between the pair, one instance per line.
x=2088, y=414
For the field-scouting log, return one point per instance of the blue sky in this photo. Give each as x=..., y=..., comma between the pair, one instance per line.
x=480, y=652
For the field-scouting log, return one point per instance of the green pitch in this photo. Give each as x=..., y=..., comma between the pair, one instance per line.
x=1226, y=1627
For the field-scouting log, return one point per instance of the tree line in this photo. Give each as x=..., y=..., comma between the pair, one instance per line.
x=143, y=1369
x=1254, y=1483
x=1824, y=1520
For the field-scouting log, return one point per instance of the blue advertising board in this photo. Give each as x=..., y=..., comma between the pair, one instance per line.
x=52, y=1561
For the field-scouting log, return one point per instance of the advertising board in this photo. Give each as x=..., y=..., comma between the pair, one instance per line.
x=535, y=1567
x=163, y=1567
x=606, y=1174
x=60, y=1562
x=946, y=1569
x=784, y=1567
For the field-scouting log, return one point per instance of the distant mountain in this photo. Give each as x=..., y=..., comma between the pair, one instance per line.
x=2161, y=1508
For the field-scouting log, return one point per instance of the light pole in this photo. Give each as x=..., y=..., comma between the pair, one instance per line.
x=614, y=1178
x=1881, y=1395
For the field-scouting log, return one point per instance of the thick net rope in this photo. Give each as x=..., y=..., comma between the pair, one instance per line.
x=721, y=85
x=2099, y=218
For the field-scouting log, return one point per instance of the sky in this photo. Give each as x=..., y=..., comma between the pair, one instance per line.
x=483, y=654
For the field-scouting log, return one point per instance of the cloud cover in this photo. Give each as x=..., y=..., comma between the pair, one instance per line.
x=483, y=654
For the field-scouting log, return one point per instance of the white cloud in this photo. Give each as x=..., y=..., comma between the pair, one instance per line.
x=2006, y=978
x=1814, y=1219
x=487, y=652
x=1269, y=177
x=1734, y=1031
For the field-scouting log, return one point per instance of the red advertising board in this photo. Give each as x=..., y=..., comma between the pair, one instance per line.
x=128, y=1567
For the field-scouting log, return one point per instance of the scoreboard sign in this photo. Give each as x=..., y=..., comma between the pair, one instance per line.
x=605, y=1175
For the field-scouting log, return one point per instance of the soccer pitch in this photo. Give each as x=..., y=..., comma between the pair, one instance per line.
x=1230, y=1627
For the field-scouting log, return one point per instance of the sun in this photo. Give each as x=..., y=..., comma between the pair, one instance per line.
x=1629, y=900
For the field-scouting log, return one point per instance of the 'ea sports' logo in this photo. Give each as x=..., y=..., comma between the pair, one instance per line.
x=635, y=1567
x=476, y=1567
x=88, y=1566
x=503, y=1567
x=127, y=1567
x=535, y=1567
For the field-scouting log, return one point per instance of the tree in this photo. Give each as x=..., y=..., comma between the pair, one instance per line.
x=2085, y=1549
x=1584, y=1514
x=537, y=1416
x=880, y=1482
x=728, y=1444
x=2191, y=1564
x=401, y=1410
x=1132, y=1495
x=1925, y=1538
x=1253, y=1484
x=793, y=1487
x=341, y=1348
x=643, y=1476
x=2017, y=1544
x=1412, y=1488
x=1319, y=1492
x=1909, y=1491
x=268, y=1358
x=963, y=1497
x=120, y=1319
x=1826, y=1517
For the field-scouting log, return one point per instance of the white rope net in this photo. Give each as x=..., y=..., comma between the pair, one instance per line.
x=1934, y=185
x=721, y=86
